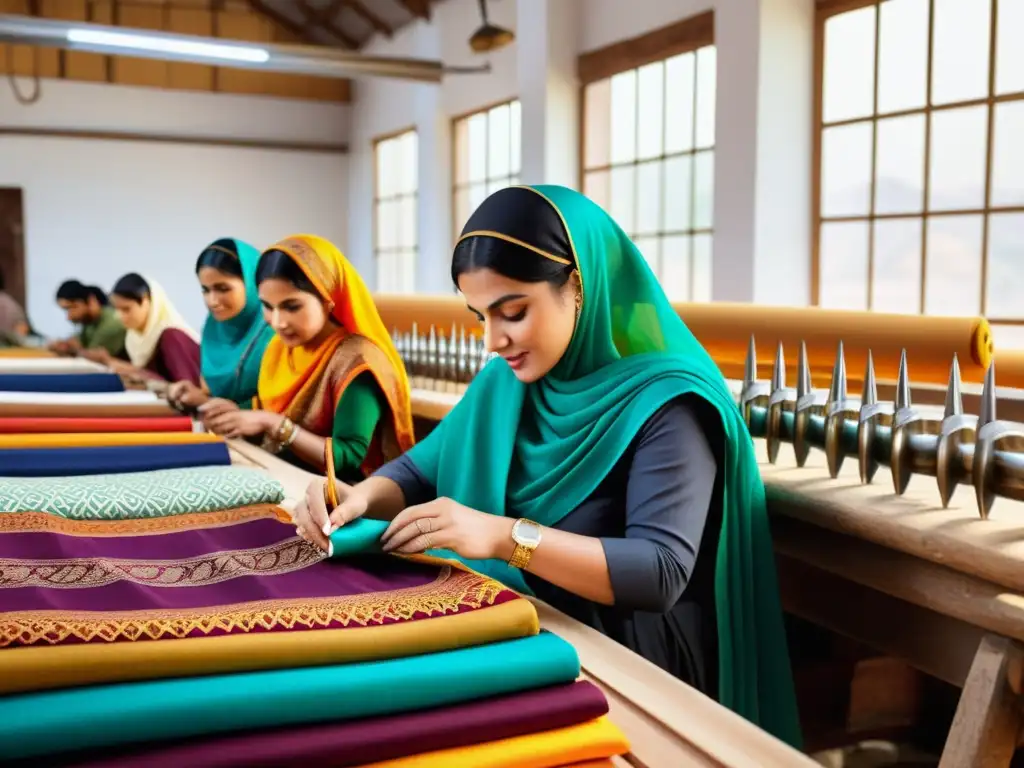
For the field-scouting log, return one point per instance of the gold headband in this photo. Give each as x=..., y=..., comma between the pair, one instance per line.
x=222, y=249
x=514, y=241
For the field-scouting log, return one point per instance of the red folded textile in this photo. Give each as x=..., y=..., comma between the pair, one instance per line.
x=69, y=425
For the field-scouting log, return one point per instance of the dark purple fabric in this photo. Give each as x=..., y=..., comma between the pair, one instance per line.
x=176, y=357
x=376, y=739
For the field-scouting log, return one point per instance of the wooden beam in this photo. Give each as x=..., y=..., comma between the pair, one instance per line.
x=370, y=17
x=324, y=20
x=418, y=8
x=261, y=8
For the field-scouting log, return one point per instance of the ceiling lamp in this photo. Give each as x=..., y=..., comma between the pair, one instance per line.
x=169, y=46
x=489, y=37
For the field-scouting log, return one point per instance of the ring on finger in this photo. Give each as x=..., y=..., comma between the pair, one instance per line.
x=419, y=527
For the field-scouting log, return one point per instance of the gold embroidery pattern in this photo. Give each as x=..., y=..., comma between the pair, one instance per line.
x=76, y=573
x=311, y=263
x=44, y=522
x=452, y=591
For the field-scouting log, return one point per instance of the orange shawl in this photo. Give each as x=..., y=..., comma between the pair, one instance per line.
x=306, y=384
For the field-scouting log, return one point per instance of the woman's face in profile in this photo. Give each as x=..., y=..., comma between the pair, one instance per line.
x=133, y=314
x=224, y=294
x=529, y=324
x=297, y=317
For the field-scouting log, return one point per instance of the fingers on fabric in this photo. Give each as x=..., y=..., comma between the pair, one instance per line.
x=413, y=530
x=351, y=506
x=314, y=521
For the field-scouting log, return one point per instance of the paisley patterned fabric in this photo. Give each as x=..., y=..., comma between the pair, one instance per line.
x=140, y=494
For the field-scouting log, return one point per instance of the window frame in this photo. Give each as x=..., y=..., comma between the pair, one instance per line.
x=456, y=186
x=377, y=200
x=827, y=9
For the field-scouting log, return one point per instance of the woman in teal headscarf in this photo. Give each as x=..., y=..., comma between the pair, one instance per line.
x=601, y=464
x=235, y=333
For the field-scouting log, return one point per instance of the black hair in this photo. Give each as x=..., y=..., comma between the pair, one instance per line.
x=509, y=260
x=72, y=290
x=3, y=283
x=133, y=287
x=278, y=265
x=97, y=293
x=221, y=255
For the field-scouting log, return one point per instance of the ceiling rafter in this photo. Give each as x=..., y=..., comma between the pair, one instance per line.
x=375, y=21
x=418, y=8
x=261, y=8
x=324, y=19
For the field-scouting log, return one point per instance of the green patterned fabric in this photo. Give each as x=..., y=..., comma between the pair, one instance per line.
x=140, y=494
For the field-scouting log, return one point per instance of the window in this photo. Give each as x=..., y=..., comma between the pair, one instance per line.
x=486, y=157
x=396, y=179
x=648, y=157
x=921, y=167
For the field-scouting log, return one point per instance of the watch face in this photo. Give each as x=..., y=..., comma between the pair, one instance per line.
x=527, y=534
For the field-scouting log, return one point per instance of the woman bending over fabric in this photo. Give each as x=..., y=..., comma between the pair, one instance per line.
x=98, y=326
x=235, y=333
x=160, y=344
x=601, y=464
x=331, y=378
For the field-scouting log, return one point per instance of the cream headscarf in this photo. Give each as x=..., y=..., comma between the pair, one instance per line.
x=141, y=345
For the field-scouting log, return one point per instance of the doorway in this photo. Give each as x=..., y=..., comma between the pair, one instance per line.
x=12, y=242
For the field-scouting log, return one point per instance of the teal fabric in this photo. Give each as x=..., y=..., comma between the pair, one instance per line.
x=359, y=537
x=541, y=449
x=231, y=351
x=37, y=724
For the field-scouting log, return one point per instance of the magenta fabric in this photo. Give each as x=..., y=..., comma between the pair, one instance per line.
x=383, y=738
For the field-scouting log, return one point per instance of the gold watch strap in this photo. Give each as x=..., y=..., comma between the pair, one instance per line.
x=520, y=556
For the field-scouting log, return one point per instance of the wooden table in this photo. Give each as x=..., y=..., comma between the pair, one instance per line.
x=939, y=588
x=668, y=723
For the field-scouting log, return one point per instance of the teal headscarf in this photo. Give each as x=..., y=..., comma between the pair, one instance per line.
x=231, y=351
x=541, y=449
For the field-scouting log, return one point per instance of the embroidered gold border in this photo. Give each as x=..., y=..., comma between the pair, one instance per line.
x=44, y=522
x=452, y=590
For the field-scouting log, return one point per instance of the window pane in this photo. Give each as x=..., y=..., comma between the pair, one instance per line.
x=408, y=162
x=477, y=194
x=387, y=224
x=1008, y=337
x=407, y=222
x=957, y=168
x=675, y=267
x=596, y=187
x=846, y=170
x=597, y=124
x=844, y=265
x=498, y=155
x=515, y=137
x=897, y=267
x=1008, y=155
x=461, y=151
x=651, y=103
x=408, y=271
x=478, y=147
x=960, y=53
x=953, y=268
x=702, y=249
x=703, y=189
x=678, y=194
x=849, y=66
x=1005, y=266
x=623, y=197
x=902, y=55
x=648, y=201
x=650, y=247
x=623, y=116
x=1009, y=52
x=680, y=72
x=899, y=165
x=707, y=64
x=387, y=170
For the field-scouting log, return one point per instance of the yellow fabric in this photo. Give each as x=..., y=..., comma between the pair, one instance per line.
x=37, y=668
x=104, y=439
x=25, y=352
x=593, y=740
x=290, y=373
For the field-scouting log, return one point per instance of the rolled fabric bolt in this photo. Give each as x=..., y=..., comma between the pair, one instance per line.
x=358, y=537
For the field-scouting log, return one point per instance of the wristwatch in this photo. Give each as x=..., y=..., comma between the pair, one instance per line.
x=526, y=535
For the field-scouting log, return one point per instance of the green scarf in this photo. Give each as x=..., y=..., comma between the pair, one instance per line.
x=541, y=449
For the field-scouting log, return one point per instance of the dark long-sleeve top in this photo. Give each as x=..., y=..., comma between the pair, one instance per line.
x=657, y=514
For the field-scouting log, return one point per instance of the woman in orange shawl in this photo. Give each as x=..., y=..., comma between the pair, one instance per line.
x=331, y=382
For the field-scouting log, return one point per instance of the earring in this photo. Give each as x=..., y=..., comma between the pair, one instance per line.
x=579, y=304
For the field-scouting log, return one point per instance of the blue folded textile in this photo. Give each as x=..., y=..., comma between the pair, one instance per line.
x=61, y=382
x=54, y=462
x=45, y=723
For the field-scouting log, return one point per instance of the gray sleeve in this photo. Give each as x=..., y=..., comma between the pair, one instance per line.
x=669, y=491
x=415, y=487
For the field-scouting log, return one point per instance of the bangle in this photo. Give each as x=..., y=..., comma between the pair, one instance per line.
x=286, y=432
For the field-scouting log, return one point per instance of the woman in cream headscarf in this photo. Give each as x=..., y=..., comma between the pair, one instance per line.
x=160, y=343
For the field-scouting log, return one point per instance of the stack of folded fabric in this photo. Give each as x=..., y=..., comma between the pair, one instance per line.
x=222, y=639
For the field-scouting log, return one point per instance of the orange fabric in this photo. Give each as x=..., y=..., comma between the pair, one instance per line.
x=286, y=373
x=103, y=439
x=593, y=740
x=25, y=352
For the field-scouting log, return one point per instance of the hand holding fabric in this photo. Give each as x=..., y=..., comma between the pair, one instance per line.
x=445, y=524
x=314, y=522
x=237, y=423
x=186, y=393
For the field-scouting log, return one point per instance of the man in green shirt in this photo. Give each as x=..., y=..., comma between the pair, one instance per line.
x=86, y=306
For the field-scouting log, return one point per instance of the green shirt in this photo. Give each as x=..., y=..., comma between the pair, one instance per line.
x=106, y=332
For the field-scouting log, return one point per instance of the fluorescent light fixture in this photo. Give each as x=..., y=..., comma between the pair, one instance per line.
x=156, y=44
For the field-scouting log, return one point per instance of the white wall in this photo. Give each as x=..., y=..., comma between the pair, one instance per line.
x=95, y=209
x=763, y=124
